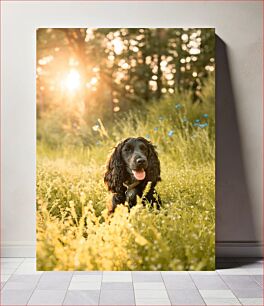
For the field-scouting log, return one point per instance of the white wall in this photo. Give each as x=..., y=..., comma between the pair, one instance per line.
x=238, y=24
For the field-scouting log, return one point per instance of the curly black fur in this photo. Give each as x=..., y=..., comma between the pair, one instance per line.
x=133, y=154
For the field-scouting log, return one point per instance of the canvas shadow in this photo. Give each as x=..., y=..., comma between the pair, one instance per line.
x=234, y=218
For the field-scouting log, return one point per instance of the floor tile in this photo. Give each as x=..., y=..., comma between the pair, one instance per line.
x=86, y=278
x=15, y=297
x=258, y=279
x=185, y=297
x=117, y=277
x=248, y=293
x=222, y=301
x=12, y=265
x=244, y=278
x=254, y=271
x=82, y=297
x=5, y=277
x=233, y=271
x=12, y=259
x=8, y=270
x=24, y=278
x=31, y=260
x=88, y=272
x=164, y=273
x=27, y=268
x=178, y=282
x=149, y=272
x=146, y=277
x=240, y=282
x=252, y=265
x=217, y=294
x=149, y=286
x=20, y=285
x=47, y=297
x=118, y=297
x=117, y=286
x=213, y=273
x=251, y=301
x=117, y=273
x=150, y=302
x=209, y=282
x=51, y=274
x=85, y=286
x=57, y=274
x=25, y=272
x=53, y=285
x=151, y=294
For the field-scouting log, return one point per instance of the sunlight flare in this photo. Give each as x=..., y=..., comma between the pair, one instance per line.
x=73, y=80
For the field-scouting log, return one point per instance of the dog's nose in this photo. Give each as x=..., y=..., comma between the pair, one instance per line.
x=141, y=161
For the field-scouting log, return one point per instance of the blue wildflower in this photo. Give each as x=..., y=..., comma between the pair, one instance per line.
x=197, y=120
x=148, y=136
x=170, y=133
x=155, y=129
x=205, y=115
x=203, y=125
x=196, y=124
x=178, y=106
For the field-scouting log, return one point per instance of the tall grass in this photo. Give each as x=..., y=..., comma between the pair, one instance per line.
x=74, y=231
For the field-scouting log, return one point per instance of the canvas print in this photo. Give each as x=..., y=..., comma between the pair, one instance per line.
x=125, y=149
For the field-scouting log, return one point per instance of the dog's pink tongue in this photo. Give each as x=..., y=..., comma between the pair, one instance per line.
x=139, y=174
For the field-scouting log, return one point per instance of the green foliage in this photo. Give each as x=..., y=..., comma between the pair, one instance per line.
x=73, y=229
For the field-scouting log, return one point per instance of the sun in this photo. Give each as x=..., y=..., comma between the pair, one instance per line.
x=73, y=80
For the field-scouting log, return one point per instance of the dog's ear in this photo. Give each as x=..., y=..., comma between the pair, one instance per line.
x=153, y=171
x=115, y=170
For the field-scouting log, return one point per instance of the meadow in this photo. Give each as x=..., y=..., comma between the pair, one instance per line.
x=74, y=231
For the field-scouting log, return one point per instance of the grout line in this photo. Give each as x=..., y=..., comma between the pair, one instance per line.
x=24, y=260
x=133, y=288
x=11, y=274
x=4, y=283
x=16, y=268
x=197, y=288
x=100, y=288
x=147, y=289
x=231, y=288
x=259, y=284
x=166, y=288
x=252, y=276
x=35, y=287
x=67, y=289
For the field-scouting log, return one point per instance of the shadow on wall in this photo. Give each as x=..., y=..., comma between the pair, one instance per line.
x=234, y=216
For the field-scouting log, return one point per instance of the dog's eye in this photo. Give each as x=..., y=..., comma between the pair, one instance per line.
x=143, y=148
x=127, y=149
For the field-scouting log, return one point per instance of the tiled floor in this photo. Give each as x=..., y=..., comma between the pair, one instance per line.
x=236, y=282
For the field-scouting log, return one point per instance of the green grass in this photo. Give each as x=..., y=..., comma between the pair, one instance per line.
x=73, y=229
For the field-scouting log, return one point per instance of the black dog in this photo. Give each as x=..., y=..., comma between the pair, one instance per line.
x=131, y=166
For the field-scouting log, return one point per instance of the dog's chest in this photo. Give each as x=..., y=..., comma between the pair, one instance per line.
x=131, y=191
x=131, y=194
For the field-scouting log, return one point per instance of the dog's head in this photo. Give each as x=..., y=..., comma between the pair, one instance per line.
x=134, y=158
